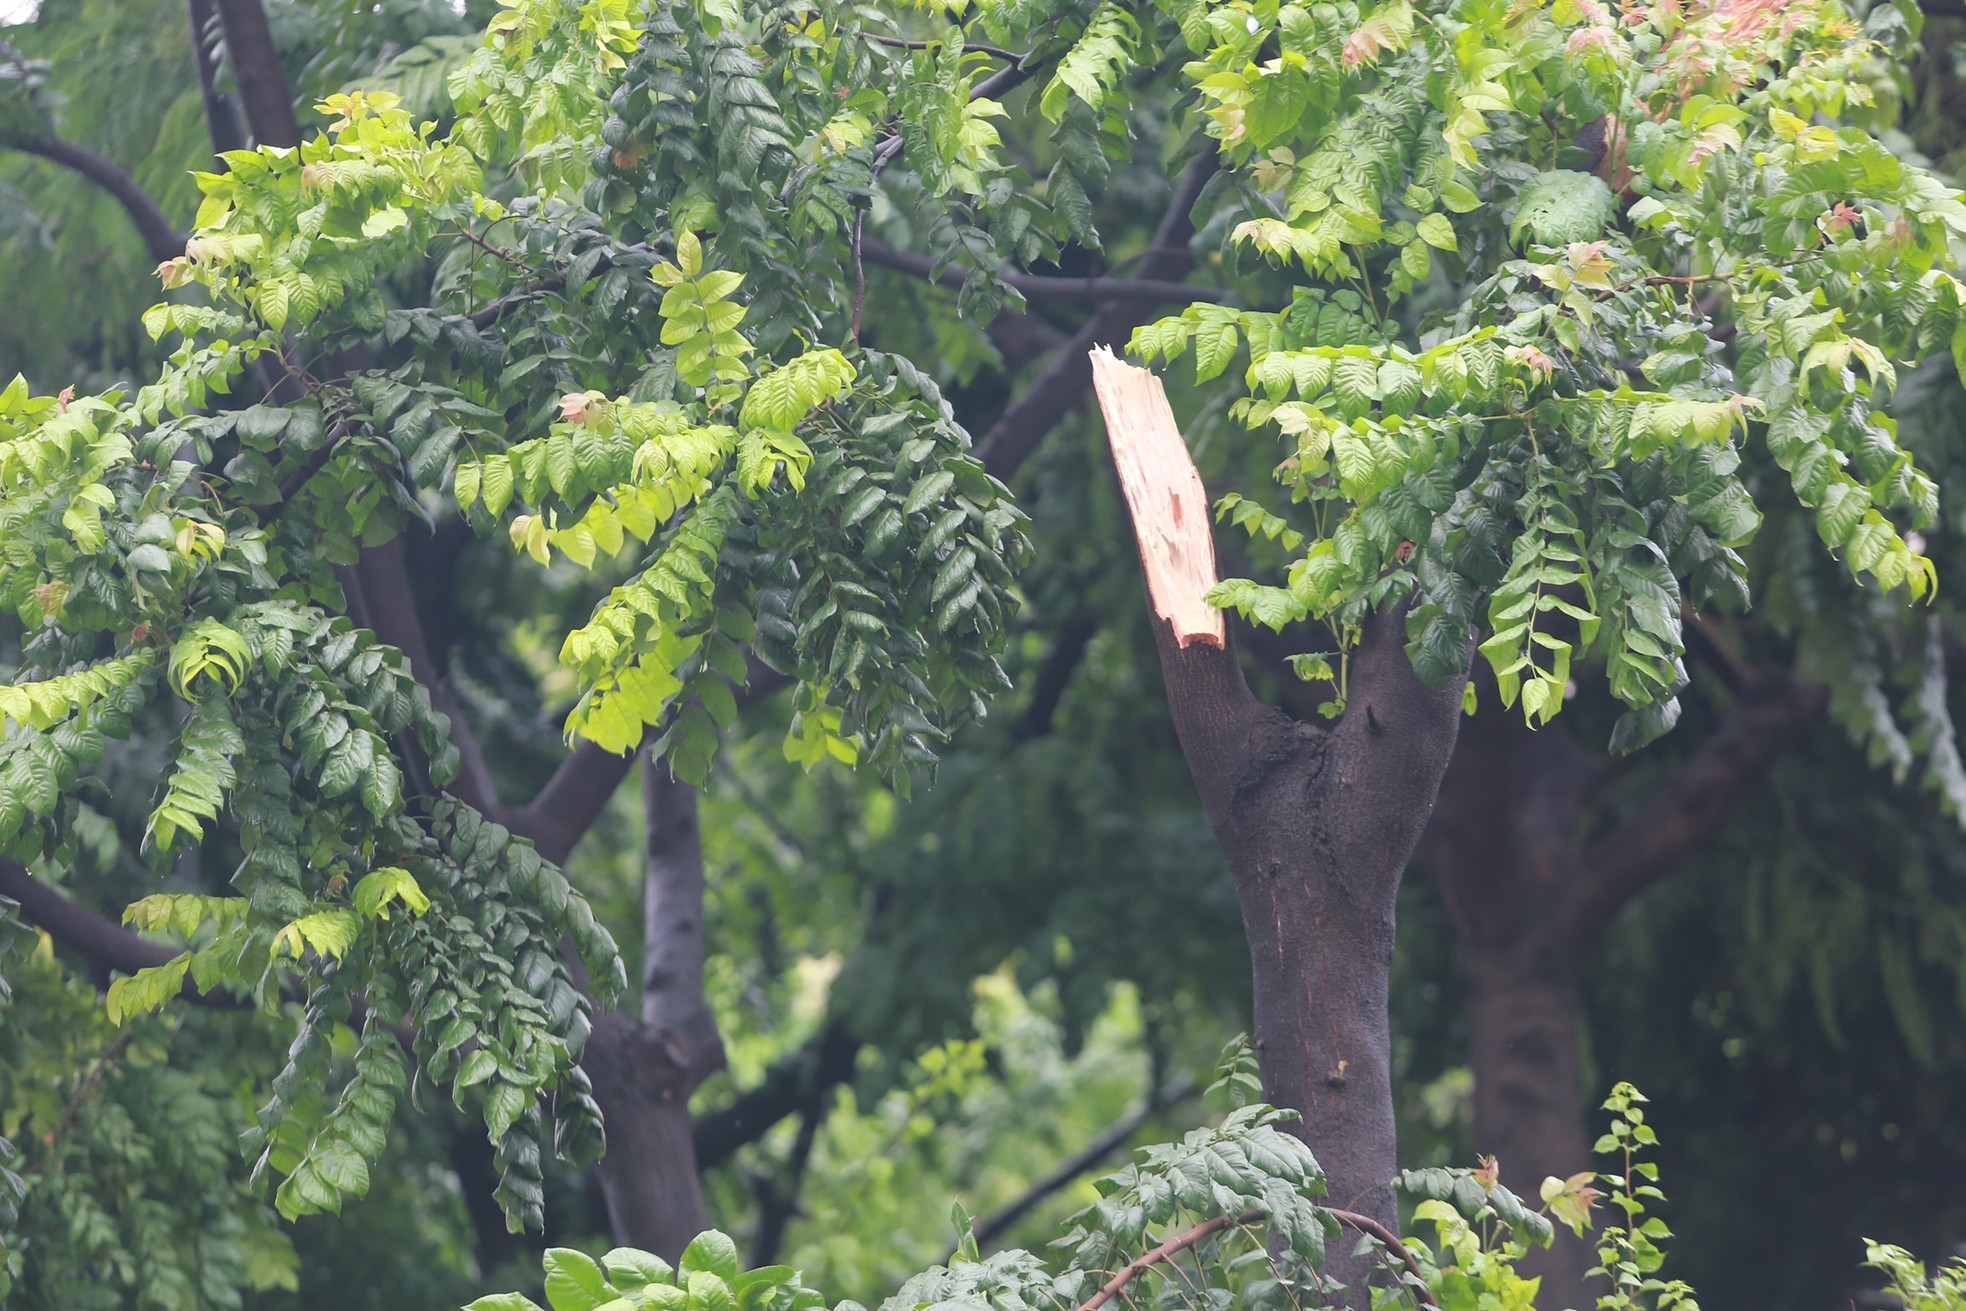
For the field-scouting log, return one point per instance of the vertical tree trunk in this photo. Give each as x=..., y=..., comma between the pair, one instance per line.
x=645, y=1069
x=1530, y=902
x=1524, y=1044
x=1316, y=823
x=207, y=40
x=256, y=67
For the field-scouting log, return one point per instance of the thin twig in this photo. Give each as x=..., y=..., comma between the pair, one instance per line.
x=1181, y=1242
x=497, y=252
x=1034, y=286
x=1157, y=1100
x=999, y=82
x=316, y=461
x=89, y=1080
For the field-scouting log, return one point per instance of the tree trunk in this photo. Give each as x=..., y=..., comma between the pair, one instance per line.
x=1503, y=846
x=1530, y=902
x=645, y=1069
x=1529, y=1097
x=1316, y=823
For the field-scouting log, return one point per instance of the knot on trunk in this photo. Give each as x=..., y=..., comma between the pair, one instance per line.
x=659, y=1063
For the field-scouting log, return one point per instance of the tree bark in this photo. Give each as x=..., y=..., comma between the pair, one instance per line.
x=645, y=1069
x=1524, y=1042
x=263, y=88
x=1316, y=823
x=1503, y=847
x=207, y=41
x=1531, y=901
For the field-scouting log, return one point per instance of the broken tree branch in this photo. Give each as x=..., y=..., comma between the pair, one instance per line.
x=1166, y=497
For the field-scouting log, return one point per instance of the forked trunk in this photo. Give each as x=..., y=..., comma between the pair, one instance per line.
x=1316, y=823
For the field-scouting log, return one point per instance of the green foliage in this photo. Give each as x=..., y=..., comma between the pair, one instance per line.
x=1561, y=461
x=1942, y=1290
x=122, y=1187
x=1628, y=1251
x=708, y=1278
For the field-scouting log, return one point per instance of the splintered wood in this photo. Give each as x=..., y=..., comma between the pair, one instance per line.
x=1165, y=496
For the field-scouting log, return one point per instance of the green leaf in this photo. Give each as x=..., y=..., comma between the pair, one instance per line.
x=630, y=1268
x=1562, y=206
x=575, y=1281
x=1437, y=231
x=711, y=1252
x=378, y=889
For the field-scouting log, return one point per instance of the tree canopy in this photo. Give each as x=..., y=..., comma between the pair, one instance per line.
x=649, y=385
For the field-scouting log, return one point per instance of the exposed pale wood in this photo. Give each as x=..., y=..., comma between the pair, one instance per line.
x=1164, y=495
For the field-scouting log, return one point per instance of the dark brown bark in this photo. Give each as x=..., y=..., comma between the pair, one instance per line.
x=1316, y=823
x=108, y=946
x=645, y=1069
x=823, y=1063
x=1530, y=903
x=1316, y=826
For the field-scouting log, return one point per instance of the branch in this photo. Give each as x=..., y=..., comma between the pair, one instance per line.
x=1183, y=1241
x=902, y=43
x=574, y=797
x=1688, y=809
x=1393, y=744
x=160, y=238
x=787, y=1087
x=392, y=613
x=1057, y=391
x=1165, y=497
x=107, y=945
x=111, y=947
x=1214, y=712
x=89, y=1079
x=999, y=83
x=1172, y=1247
x=314, y=463
x=1036, y=287
x=1365, y=1224
x=262, y=81
x=990, y=1226
x=778, y=1204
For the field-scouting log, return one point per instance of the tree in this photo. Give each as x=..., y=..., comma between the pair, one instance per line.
x=414, y=320
x=326, y=429
x=1507, y=456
